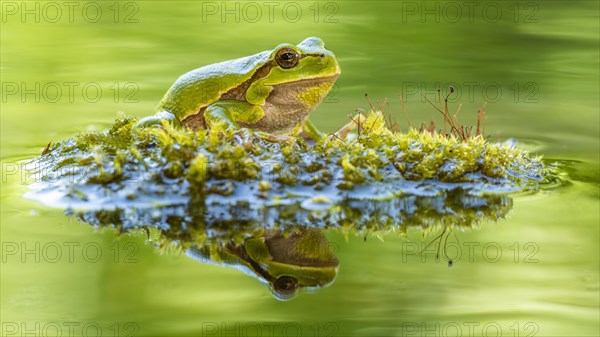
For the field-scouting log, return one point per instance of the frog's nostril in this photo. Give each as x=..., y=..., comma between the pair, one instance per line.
x=322, y=55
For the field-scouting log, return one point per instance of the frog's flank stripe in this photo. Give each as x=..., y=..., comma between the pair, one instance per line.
x=196, y=121
x=239, y=92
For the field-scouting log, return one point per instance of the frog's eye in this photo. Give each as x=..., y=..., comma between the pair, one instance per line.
x=287, y=58
x=285, y=287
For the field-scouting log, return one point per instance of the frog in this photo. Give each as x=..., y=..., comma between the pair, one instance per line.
x=271, y=92
x=287, y=263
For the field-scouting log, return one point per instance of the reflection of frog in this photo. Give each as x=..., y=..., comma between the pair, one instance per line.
x=302, y=260
x=272, y=91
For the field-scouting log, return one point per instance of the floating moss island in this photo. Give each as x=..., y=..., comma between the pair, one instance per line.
x=221, y=171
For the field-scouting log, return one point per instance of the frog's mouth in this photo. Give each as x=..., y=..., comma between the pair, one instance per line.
x=305, y=82
x=294, y=90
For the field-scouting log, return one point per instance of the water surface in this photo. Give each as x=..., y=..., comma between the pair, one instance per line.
x=535, y=273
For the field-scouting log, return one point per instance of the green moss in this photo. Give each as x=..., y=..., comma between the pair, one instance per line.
x=197, y=171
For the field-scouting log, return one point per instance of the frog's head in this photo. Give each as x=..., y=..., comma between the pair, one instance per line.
x=303, y=62
x=307, y=71
x=294, y=80
x=303, y=260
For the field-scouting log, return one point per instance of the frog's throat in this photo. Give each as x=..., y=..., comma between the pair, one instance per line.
x=289, y=104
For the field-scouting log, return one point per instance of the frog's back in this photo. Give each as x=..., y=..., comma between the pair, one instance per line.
x=202, y=86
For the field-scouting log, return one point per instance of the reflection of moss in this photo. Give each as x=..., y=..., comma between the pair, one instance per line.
x=187, y=225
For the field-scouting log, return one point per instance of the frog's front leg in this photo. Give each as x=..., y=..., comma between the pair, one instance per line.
x=231, y=112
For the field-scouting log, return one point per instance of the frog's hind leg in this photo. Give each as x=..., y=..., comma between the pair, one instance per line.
x=231, y=112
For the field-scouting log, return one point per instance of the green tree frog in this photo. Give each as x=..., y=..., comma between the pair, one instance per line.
x=271, y=92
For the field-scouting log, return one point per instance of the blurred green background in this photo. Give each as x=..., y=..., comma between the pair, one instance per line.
x=71, y=66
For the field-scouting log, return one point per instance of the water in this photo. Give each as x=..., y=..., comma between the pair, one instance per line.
x=533, y=274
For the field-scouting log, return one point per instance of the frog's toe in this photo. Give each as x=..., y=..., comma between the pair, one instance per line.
x=156, y=120
x=165, y=115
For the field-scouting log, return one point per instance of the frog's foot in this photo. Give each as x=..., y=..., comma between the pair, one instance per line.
x=246, y=135
x=275, y=138
x=343, y=131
